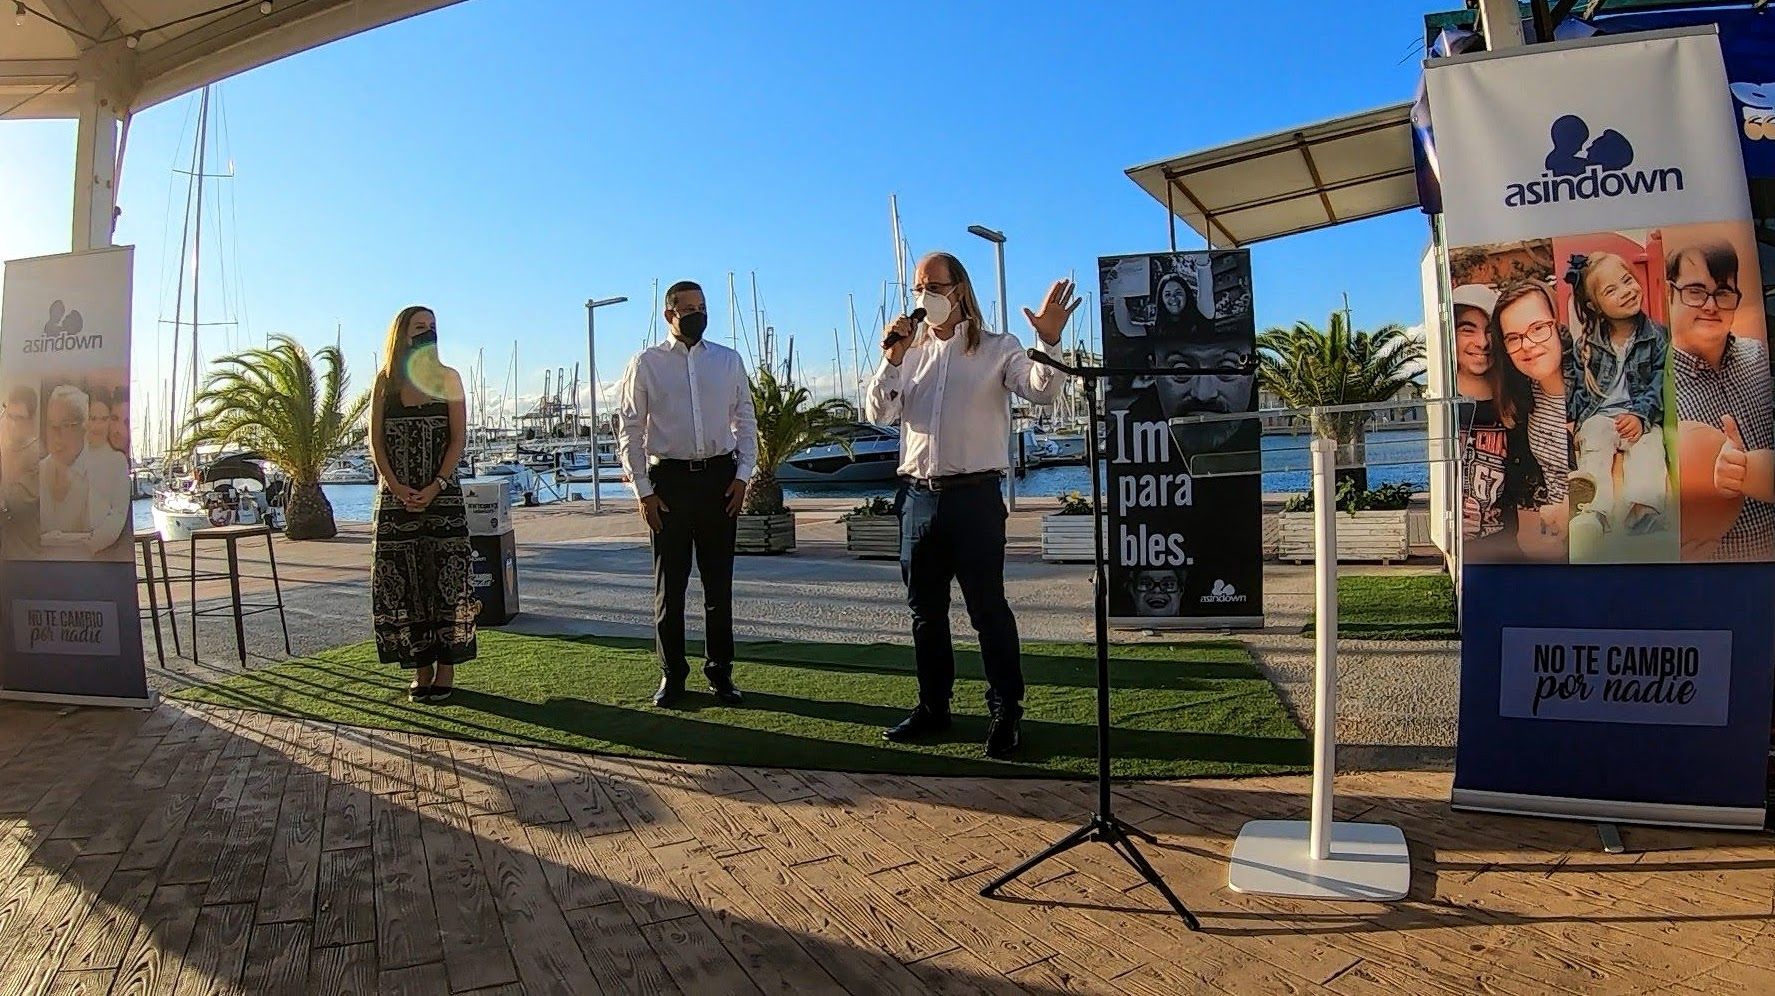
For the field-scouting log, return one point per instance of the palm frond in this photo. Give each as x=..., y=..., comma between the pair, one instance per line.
x=1308, y=367
x=283, y=402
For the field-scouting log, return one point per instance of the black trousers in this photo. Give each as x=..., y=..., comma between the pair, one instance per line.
x=694, y=523
x=959, y=535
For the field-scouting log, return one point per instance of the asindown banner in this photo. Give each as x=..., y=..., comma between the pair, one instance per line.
x=1185, y=550
x=69, y=629
x=1620, y=493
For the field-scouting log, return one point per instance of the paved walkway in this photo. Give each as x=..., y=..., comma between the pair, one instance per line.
x=203, y=850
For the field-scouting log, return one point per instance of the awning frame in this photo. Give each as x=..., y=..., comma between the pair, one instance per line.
x=1175, y=174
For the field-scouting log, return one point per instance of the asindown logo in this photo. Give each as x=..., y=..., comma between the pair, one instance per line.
x=1223, y=592
x=1581, y=168
x=1758, y=112
x=65, y=332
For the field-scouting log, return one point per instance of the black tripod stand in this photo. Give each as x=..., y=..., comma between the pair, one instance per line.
x=1104, y=826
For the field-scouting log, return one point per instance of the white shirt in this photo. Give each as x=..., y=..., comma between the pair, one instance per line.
x=71, y=513
x=680, y=402
x=954, y=406
x=108, y=493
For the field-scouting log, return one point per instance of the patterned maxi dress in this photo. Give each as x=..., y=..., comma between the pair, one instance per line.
x=420, y=591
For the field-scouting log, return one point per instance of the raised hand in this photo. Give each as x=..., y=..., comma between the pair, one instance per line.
x=1057, y=309
x=1730, y=468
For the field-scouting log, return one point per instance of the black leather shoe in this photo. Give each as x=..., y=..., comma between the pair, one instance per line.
x=1005, y=736
x=722, y=687
x=670, y=691
x=923, y=722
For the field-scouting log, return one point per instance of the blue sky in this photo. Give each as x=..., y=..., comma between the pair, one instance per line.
x=503, y=160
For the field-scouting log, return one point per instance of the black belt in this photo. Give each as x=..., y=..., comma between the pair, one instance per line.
x=952, y=481
x=695, y=466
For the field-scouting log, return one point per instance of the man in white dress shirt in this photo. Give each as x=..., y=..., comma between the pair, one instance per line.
x=948, y=383
x=688, y=438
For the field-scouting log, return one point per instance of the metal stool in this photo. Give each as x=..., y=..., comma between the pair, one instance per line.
x=148, y=542
x=232, y=535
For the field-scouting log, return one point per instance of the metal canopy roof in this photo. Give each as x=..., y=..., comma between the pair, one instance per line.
x=180, y=45
x=1292, y=181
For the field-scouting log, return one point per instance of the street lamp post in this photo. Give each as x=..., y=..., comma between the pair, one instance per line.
x=592, y=307
x=1004, y=325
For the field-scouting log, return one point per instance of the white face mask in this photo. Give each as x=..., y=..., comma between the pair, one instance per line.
x=936, y=308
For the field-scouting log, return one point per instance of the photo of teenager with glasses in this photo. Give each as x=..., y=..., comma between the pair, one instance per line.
x=1726, y=406
x=1528, y=387
x=1615, y=401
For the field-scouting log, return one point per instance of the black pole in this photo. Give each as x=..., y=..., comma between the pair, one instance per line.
x=1100, y=598
x=1103, y=826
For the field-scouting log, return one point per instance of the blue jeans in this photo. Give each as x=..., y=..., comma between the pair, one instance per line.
x=959, y=535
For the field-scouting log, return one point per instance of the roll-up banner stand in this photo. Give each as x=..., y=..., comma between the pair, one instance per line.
x=1619, y=497
x=1185, y=552
x=69, y=629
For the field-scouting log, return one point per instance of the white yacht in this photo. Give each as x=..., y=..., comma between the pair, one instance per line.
x=348, y=470
x=874, y=456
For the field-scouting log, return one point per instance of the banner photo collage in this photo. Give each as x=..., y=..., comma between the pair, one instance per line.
x=1618, y=503
x=1623, y=410
x=65, y=479
x=1182, y=547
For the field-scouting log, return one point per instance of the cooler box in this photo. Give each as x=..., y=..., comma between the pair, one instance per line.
x=488, y=503
x=493, y=574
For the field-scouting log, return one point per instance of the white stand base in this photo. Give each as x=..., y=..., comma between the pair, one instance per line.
x=1369, y=862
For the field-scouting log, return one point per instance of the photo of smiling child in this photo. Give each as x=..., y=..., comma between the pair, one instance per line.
x=1615, y=387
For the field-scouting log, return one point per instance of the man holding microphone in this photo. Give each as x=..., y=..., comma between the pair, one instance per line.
x=948, y=382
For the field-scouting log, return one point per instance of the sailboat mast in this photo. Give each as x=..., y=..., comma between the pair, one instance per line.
x=758, y=319
x=856, y=349
x=838, y=365
x=171, y=427
x=653, y=317
x=203, y=124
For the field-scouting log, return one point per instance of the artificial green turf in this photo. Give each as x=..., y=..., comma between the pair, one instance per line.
x=1178, y=710
x=1396, y=607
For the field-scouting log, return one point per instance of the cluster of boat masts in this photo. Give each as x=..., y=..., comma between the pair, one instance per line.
x=868, y=454
x=539, y=471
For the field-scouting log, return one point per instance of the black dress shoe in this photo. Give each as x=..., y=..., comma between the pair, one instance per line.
x=722, y=687
x=923, y=722
x=670, y=690
x=1005, y=736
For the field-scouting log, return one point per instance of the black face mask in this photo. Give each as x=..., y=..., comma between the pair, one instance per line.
x=422, y=339
x=692, y=325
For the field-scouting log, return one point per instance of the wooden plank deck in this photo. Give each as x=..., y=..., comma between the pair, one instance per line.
x=192, y=849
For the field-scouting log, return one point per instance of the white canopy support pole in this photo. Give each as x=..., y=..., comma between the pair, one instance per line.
x=1319, y=858
x=1324, y=454
x=95, y=170
x=1501, y=22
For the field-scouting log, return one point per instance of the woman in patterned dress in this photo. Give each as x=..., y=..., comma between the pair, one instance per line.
x=424, y=606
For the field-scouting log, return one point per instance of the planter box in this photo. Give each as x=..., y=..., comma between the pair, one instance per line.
x=873, y=537
x=1066, y=539
x=1372, y=536
x=765, y=533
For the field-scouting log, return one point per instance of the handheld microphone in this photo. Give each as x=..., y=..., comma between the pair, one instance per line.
x=916, y=316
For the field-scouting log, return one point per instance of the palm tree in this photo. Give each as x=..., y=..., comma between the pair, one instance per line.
x=1311, y=368
x=291, y=407
x=789, y=421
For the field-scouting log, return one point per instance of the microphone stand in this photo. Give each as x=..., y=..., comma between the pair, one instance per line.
x=1103, y=825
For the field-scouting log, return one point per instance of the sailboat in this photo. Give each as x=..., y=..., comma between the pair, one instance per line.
x=198, y=499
